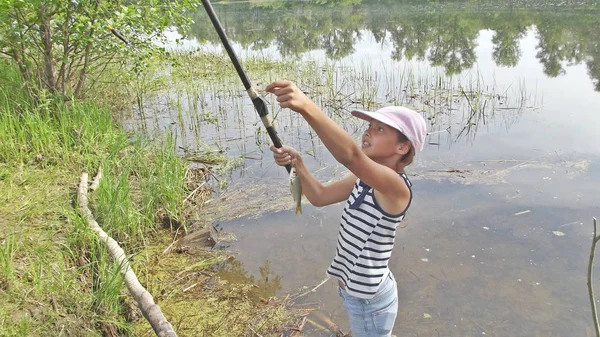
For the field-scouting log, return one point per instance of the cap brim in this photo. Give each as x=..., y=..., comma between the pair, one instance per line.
x=369, y=115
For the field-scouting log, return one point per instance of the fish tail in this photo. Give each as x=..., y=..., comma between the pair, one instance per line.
x=299, y=209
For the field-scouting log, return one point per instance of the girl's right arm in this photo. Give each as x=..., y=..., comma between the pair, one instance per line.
x=317, y=193
x=383, y=179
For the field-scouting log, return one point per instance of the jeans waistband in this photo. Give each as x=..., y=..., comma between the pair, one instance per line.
x=387, y=284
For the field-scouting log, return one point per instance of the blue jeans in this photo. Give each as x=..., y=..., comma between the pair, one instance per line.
x=374, y=317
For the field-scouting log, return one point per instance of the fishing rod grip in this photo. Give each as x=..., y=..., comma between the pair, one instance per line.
x=273, y=134
x=236, y=63
x=261, y=107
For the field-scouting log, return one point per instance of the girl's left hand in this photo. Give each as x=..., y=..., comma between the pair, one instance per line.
x=290, y=96
x=284, y=155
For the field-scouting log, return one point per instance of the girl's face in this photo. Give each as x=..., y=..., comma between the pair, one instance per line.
x=380, y=141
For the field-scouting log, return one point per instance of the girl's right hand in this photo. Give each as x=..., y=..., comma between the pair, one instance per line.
x=290, y=96
x=284, y=155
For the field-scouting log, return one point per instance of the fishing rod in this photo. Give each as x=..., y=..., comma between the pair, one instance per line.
x=122, y=38
x=118, y=35
x=259, y=103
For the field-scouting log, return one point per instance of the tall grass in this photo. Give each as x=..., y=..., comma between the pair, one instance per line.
x=212, y=103
x=54, y=132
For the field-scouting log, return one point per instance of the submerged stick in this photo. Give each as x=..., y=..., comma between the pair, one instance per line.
x=330, y=324
x=150, y=310
x=314, y=289
x=317, y=325
x=589, y=282
x=168, y=249
x=256, y=333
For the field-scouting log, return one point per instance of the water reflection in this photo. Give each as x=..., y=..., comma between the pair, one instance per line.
x=443, y=34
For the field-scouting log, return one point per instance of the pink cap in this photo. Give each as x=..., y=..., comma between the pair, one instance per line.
x=405, y=120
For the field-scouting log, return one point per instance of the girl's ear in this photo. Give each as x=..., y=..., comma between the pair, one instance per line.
x=403, y=148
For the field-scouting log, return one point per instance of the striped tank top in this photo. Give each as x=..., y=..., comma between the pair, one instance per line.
x=365, y=242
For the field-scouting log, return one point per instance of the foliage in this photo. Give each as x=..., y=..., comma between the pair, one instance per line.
x=63, y=46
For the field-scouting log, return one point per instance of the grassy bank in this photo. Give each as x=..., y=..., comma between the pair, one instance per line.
x=55, y=276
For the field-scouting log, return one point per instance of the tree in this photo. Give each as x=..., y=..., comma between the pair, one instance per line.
x=62, y=46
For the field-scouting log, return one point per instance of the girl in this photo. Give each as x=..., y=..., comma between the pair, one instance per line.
x=378, y=193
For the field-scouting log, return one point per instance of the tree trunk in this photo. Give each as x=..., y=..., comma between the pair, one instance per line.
x=66, y=50
x=22, y=66
x=46, y=38
x=88, y=49
x=17, y=51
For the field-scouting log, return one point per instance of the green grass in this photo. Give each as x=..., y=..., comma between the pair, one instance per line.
x=55, y=276
x=8, y=250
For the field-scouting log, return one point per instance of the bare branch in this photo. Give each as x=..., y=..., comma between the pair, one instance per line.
x=66, y=47
x=149, y=308
x=104, y=66
x=589, y=282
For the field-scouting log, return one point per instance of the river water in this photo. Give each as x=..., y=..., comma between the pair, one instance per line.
x=498, y=237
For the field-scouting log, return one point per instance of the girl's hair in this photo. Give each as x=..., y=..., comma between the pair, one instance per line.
x=407, y=159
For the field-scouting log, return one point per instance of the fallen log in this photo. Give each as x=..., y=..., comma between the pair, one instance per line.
x=198, y=239
x=206, y=236
x=150, y=310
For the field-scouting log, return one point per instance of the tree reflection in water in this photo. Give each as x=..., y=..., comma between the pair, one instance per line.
x=441, y=33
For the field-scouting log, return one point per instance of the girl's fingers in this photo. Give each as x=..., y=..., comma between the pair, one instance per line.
x=283, y=155
x=288, y=95
x=283, y=162
x=275, y=149
x=283, y=91
x=284, y=98
x=277, y=85
x=279, y=150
